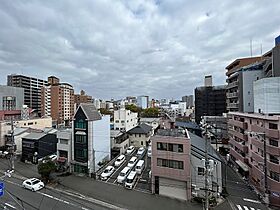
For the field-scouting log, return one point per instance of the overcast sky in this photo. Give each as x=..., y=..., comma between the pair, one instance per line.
x=117, y=48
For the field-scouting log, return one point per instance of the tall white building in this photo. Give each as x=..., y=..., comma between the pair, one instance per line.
x=124, y=119
x=143, y=102
x=267, y=95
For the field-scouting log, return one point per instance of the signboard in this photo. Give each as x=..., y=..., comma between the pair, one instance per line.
x=1, y=189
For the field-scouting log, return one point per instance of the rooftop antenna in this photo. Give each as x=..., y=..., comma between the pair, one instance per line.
x=261, y=49
x=251, y=50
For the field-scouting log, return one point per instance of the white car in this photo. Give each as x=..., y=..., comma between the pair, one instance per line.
x=33, y=184
x=141, y=151
x=107, y=173
x=119, y=160
x=47, y=158
x=130, y=150
x=149, y=151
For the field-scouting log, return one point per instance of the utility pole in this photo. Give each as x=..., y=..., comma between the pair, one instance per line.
x=12, y=150
x=206, y=170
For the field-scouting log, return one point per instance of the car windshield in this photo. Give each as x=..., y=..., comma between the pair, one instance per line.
x=36, y=182
x=131, y=162
x=119, y=159
x=106, y=170
x=129, y=180
x=122, y=174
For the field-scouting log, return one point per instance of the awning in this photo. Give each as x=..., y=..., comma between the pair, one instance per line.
x=242, y=165
x=81, y=133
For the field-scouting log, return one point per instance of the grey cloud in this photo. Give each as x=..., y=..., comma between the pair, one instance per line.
x=118, y=48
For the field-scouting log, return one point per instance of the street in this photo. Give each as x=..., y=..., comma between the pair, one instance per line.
x=241, y=197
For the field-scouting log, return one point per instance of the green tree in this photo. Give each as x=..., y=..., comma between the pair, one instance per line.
x=45, y=169
x=150, y=112
x=105, y=111
x=133, y=108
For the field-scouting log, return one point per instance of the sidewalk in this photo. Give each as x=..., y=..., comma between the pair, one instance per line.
x=116, y=195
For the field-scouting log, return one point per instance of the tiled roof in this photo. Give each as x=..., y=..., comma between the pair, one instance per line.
x=140, y=129
x=90, y=111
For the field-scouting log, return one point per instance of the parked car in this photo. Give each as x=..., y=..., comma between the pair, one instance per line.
x=141, y=151
x=122, y=176
x=131, y=179
x=132, y=162
x=119, y=160
x=33, y=184
x=140, y=166
x=130, y=150
x=107, y=173
x=149, y=151
x=52, y=157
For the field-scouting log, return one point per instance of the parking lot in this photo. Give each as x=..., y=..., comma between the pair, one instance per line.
x=142, y=183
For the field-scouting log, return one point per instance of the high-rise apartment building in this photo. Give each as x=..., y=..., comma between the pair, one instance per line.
x=32, y=89
x=210, y=101
x=188, y=100
x=58, y=100
x=143, y=102
x=82, y=98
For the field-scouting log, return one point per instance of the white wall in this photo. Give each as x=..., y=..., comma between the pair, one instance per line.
x=199, y=180
x=267, y=95
x=125, y=119
x=101, y=139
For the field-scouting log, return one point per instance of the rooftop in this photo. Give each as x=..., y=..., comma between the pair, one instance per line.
x=173, y=132
x=90, y=111
x=140, y=129
x=35, y=136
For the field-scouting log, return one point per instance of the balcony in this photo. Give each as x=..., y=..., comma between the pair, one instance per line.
x=232, y=105
x=257, y=142
x=239, y=124
x=237, y=155
x=232, y=84
x=272, y=150
x=238, y=134
x=257, y=157
x=272, y=133
x=273, y=166
x=232, y=95
x=240, y=146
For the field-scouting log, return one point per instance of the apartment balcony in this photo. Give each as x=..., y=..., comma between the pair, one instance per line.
x=237, y=155
x=232, y=85
x=273, y=133
x=240, y=146
x=232, y=105
x=273, y=166
x=273, y=185
x=238, y=134
x=257, y=142
x=257, y=157
x=232, y=95
x=239, y=124
x=272, y=150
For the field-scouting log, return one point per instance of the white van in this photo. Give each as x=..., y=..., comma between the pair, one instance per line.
x=132, y=162
x=149, y=151
x=131, y=179
x=122, y=176
x=140, y=166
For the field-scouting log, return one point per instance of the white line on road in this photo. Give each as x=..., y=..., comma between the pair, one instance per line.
x=250, y=200
x=246, y=208
x=252, y=208
x=239, y=207
x=7, y=204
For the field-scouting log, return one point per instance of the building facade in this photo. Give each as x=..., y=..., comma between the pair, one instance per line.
x=58, y=101
x=209, y=101
x=252, y=137
x=188, y=100
x=143, y=102
x=90, y=140
x=170, y=164
x=82, y=98
x=124, y=119
x=140, y=135
x=32, y=89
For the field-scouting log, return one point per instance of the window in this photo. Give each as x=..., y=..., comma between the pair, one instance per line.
x=82, y=139
x=275, y=176
x=122, y=121
x=117, y=121
x=273, y=142
x=63, y=141
x=80, y=124
x=81, y=153
x=170, y=147
x=200, y=171
x=273, y=159
x=9, y=103
x=162, y=146
x=170, y=163
x=30, y=123
x=142, y=143
x=273, y=126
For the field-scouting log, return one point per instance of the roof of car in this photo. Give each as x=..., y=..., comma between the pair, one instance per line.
x=131, y=175
x=108, y=167
x=121, y=156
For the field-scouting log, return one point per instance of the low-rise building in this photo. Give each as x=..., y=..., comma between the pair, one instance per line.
x=124, y=119
x=19, y=133
x=153, y=122
x=140, y=135
x=170, y=163
x=64, y=142
x=90, y=140
x=35, y=123
x=119, y=142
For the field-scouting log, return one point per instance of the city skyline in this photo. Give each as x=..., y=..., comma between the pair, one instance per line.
x=149, y=48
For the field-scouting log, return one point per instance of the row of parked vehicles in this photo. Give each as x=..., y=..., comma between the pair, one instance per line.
x=127, y=176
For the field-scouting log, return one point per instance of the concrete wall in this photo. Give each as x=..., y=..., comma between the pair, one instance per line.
x=101, y=140
x=38, y=123
x=64, y=135
x=4, y=128
x=136, y=140
x=130, y=119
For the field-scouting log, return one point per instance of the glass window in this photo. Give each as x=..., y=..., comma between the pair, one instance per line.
x=162, y=146
x=273, y=159
x=82, y=139
x=273, y=142
x=80, y=124
x=273, y=126
x=200, y=171
x=275, y=176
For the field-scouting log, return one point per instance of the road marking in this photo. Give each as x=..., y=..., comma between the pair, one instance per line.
x=252, y=208
x=246, y=208
x=239, y=207
x=250, y=200
x=7, y=204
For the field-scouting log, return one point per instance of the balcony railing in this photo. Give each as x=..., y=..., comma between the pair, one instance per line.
x=233, y=105
x=238, y=134
x=232, y=84
x=272, y=150
x=232, y=95
x=239, y=145
x=273, y=133
x=239, y=124
x=237, y=155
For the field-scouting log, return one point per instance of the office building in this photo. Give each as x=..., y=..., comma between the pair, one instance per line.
x=58, y=101
x=143, y=102
x=188, y=100
x=32, y=89
x=82, y=98
x=124, y=119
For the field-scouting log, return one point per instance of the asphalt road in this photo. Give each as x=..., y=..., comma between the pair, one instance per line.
x=241, y=197
x=16, y=197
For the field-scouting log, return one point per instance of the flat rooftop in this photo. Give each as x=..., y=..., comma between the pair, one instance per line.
x=173, y=132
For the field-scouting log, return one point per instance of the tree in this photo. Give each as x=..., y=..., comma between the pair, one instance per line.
x=133, y=108
x=45, y=169
x=150, y=112
x=105, y=111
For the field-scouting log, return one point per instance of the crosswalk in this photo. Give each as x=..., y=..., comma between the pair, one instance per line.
x=239, y=207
